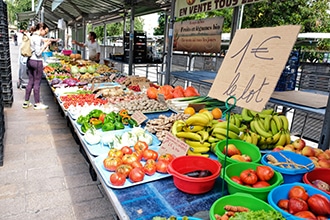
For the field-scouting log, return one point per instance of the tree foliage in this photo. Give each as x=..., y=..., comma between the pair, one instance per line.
x=161, y=24
x=17, y=6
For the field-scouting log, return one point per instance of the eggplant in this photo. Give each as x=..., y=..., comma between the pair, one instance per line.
x=199, y=173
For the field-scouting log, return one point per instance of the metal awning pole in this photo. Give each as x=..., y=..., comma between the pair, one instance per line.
x=131, y=39
x=170, y=45
x=84, y=36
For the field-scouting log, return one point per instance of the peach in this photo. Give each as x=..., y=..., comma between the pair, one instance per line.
x=238, y=157
x=308, y=151
x=323, y=155
x=278, y=148
x=247, y=158
x=289, y=147
x=318, y=151
x=324, y=163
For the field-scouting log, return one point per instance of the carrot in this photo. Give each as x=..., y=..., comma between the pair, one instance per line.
x=236, y=208
x=217, y=217
x=230, y=214
x=224, y=217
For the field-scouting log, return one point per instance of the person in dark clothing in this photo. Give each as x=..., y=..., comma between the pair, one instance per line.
x=15, y=39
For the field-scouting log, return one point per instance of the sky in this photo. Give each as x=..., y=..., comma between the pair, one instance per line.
x=150, y=22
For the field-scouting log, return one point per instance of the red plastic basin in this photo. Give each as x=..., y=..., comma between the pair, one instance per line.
x=317, y=174
x=184, y=164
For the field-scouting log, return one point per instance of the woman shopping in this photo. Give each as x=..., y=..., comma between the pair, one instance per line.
x=35, y=66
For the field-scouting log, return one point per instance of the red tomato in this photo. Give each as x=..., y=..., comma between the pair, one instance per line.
x=124, y=169
x=298, y=192
x=264, y=172
x=151, y=161
x=138, y=154
x=249, y=176
x=167, y=157
x=136, y=164
x=140, y=146
x=149, y=154
x=117, y=179
x=129, y=158
x=236, y=179
x=161, y=166
x=126, y=150
x=260, y=184
x=283, y=204
x=111, y=163
x=115, y=153
x=149, y=169
x=136, y=175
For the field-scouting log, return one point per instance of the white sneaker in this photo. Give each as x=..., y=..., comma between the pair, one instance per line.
x=26, y=104
x=40, y=106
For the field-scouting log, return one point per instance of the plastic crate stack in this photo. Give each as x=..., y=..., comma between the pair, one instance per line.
x=288, y=77
x=5, y=66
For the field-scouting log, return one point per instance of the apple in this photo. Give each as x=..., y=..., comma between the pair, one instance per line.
x=232, y=150
x=318, y=151
x=289, y=147
x=299, y=144
x=324, y=163
x=323, y=155
x=247, y=158
x=308, y=151
x=327, y=151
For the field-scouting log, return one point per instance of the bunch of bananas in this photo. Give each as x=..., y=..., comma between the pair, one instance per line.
x=266, y=129
x=201, y=132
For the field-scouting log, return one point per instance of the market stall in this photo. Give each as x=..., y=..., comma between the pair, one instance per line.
x=97, y=113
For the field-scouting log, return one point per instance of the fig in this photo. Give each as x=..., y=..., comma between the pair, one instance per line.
x=321, y=185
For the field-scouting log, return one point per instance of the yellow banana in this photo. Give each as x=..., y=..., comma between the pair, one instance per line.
x=208, y=114
x=189, y=135
x=223, y=131
x=248, y=138
x=177, y=127
x=213, y=147
x=261, y=140
x=263, y=146
x=254, y=137
x=261, y=131
x=198, y=119
x=288, y=136
x=285, y=122
x=219, y=136
x=245, y=115
x=278, y=122
x=204, y=134
x=242, y=136
x=193, y=128
x=197, y=144
x=212, y=139
x=259, y=114
x=242, y=128
x=214, y=121
x=189, y=152
x=252, y=127
x=200, y=149
x=268, y=111
x=269, y=140
x=267, y=120
x=273, y=127
x=223, y=124
x=276, y=137
x=238, y=121
x=282, y=140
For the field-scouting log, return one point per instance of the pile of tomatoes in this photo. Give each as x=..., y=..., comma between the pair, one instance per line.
x=255, y=178
x=134, y=163
x=81, y=100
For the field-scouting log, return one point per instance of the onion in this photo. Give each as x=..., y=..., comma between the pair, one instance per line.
x=319, y=204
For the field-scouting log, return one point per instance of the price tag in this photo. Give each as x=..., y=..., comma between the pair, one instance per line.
x=253, y=64
x=161, y=99
x=139, y=117
x=173, y=146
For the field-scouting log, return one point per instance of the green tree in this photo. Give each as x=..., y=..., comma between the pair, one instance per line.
x=161, y=24
x=16, y=6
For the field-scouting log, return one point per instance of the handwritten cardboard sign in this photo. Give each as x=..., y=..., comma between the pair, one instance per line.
x=173, y=146
x=253, y=65
x=139, y=117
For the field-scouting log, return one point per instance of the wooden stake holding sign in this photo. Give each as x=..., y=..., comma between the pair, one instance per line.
x=253, y=65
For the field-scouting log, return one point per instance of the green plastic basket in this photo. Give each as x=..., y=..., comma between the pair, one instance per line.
x=261, y=193
x=238, y=199
x=245, y=148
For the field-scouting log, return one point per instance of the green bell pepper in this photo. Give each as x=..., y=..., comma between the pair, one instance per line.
x=95, y=113
x=108, y=127
x=109, y=118
x=132, y=123
x=85, y=126
x=119, y=125
x=97, y=123
x=81, y=119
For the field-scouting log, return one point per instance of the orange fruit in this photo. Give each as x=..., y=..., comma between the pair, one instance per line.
x=189, y=111
x=203, y=110
x=217, y=113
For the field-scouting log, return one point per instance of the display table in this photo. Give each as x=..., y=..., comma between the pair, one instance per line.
x=146, y=200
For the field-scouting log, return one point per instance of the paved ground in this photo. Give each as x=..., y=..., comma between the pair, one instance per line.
x=44, y=176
